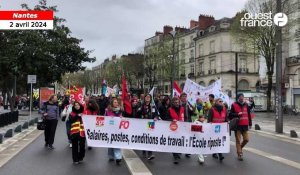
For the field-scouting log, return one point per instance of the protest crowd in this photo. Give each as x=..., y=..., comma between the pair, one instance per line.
x=156, y=107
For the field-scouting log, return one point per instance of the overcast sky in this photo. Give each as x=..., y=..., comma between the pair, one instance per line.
x=121, y=26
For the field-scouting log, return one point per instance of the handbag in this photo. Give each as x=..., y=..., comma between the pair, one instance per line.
x=233, y=123
x=41, y=124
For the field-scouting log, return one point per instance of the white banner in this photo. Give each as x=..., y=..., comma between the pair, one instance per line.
x=195, y=91
x=161, y=136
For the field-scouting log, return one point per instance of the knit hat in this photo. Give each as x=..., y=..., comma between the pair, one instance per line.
x=240, y=94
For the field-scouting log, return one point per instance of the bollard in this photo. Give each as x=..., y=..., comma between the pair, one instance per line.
x=256, y=127
x=293, y=134
x=18, y=128
x=1, y=138
x=31, y=122
x=25, y=125
x=9, y=133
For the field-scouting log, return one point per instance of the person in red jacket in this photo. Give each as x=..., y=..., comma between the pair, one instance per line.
x=217, y=114
x=241, y=110
x=92, y=108
x=176, y=113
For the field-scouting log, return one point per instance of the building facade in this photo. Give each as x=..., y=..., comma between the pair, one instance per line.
x=206, y=52
x=291, y=54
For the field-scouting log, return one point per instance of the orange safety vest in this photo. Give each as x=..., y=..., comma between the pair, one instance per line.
x=244, y=118
x=218, y=117
x=174, y=115
x=77, y=127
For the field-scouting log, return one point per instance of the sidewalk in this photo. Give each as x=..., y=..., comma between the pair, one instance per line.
x=23, y=118
x=266, y=121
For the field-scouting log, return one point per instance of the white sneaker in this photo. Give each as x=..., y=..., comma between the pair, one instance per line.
x=201, y=158
x=70, y=145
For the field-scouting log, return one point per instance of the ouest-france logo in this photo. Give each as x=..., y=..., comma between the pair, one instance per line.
x=263, y=20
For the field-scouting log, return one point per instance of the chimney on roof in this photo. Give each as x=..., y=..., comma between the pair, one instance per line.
x=193, y=24
x=167, y=29
x=158, y=33
x=205, y=21
x=180, y=29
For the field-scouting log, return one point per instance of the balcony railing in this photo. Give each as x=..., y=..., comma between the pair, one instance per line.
x=191, y=75
x=295, y=60
x=201, y=73
x=212, y=71
x=243, y=70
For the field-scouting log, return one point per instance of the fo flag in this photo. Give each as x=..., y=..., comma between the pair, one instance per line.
x=176, y=90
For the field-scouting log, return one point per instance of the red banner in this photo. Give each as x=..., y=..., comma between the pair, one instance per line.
x=45, y=93
x=77, y=94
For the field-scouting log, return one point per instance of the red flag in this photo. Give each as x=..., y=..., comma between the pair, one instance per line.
x=176, y=90
x=125, y=97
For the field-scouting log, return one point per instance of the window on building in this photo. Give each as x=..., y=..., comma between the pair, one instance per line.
x=182, y=55
x=243, y=85
x=243, y=62
x=182, y=45
x=192, y=68
x=201, y=50
x=182, y=70
x=212, y=46
x=192, y=53
x=201, y=66
x=212, y=64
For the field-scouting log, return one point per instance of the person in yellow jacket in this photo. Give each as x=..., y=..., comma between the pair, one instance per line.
x=208, y=105
x=198, y=110
x=77, y=133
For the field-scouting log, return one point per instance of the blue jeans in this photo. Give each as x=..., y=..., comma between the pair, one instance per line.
x=114, y=153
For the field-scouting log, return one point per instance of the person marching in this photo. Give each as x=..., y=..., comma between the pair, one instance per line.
x=50, y=114
x=147, y=111
x=176, y=113
x=92, y=108
x=66, y=117
x=209, y=104
x=198, y=117
x=217, y=114
x=241, y=110
x=114, y=109
x=77, y=133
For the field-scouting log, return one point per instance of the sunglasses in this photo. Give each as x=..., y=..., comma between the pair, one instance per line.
x=221, y=101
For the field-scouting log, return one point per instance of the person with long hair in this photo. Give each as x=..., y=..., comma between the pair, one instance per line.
x=147, y=111
x=77, y=133
x=114, y=109
x=92, y=108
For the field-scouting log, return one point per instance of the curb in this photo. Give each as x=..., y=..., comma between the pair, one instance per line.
x=134, y=164
x=276, y=136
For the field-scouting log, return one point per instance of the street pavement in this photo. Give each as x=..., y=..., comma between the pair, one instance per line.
x=264, y=155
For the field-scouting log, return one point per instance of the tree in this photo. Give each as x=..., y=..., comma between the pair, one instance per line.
x=261, y=39
x=47, y=53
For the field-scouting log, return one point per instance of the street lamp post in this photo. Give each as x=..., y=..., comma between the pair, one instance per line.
x=173, y=34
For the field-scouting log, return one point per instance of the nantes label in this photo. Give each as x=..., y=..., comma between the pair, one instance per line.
x=26, y=20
